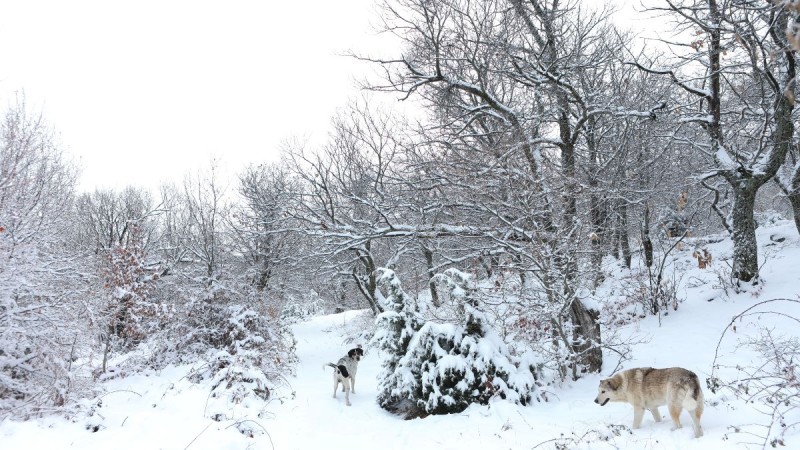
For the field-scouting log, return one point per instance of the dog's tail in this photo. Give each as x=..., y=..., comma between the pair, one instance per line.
x=330, y=365
x=694, y=394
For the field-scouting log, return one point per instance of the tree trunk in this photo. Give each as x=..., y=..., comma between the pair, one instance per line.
x=369, y=294
x=106, y=351
x=586, y=334
x=523, y=278
x=794, y=196
x=622, y=234
x=586, y=339
x=596, y=207
x=342, y=297
x=431, y=285
x=792, y=191
x=795, y=200
x=570, y=199
x=745, y=248
x=597, y=240
x=264, y=274
x=368, y=282
x=647, y=243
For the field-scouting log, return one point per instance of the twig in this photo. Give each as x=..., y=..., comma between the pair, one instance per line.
x=121, y=390
x=259, y=425
x=198, y=435
x=742, y=314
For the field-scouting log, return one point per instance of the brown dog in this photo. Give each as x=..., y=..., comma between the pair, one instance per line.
x=648, y=388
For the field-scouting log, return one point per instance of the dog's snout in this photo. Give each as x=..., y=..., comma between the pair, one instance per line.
x=596, y=401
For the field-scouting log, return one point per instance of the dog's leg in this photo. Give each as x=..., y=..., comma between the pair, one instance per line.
x=695, y=415
x=655, y=413
x=638, y=414
x=675, y=414
x=353, y=383
x=335, y=384
x=346, y=392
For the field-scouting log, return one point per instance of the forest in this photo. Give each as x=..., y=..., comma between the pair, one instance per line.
x=548, y=145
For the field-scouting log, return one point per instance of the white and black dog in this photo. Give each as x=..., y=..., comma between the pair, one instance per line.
x=344, y=372
x=340, y=375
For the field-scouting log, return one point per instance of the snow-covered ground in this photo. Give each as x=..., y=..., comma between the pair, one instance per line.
x=165, y=410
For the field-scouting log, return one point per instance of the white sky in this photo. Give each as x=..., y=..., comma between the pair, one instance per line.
x=145, y=91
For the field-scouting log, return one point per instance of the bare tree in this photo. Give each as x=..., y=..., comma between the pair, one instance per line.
x=790, y=183
x=349, y=198
x=270, y=255
x=742, y=99
x=106, y=217
x=206, y=209
x=511, y=84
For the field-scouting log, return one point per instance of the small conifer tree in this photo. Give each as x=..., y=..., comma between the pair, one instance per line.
x=394, y=329
x=443, y=368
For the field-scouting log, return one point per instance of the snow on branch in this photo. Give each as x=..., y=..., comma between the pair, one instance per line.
x=704, y=93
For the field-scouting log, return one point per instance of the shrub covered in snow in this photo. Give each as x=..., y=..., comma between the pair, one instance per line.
x=130, y=313
x=34, y=374
x=37, y=342
x=248, y=349
x=394, y=329
x=447, y=367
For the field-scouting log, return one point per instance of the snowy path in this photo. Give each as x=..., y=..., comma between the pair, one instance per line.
x=314, y=420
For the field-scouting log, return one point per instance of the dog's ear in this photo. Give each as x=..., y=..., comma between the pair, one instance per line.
x=613, y=383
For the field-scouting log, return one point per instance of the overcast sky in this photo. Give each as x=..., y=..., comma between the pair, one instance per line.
x=144, y=91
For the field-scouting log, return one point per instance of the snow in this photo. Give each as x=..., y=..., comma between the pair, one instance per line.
x=724, y=159
x=164, y=410
x=707, y=119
